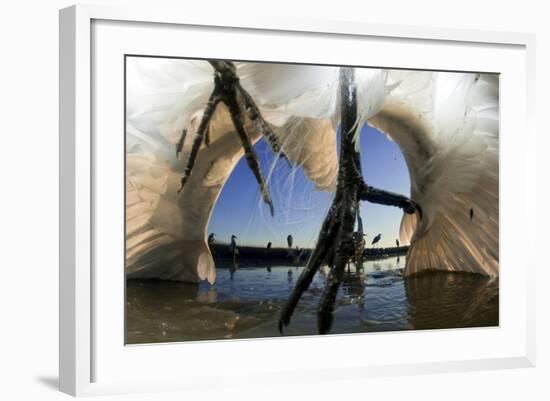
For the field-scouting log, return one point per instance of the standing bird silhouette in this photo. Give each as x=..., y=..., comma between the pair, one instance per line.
x=397, y=242
x=269, y=245
x=211, y=238
x=289, y=240
x=376, y=239
x=233, y=247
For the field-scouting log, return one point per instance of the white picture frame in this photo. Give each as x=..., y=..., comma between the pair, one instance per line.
x=93, y=360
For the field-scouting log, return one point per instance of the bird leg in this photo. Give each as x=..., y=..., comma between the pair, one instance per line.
x=213, y=101
x=335, y=245
x=381, y=197
x=228, y=90
x=179, y=145
x=255, y=116
x=249, y=152
x=322, y=252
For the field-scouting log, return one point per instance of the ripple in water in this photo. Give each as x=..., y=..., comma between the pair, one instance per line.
x=246, y=303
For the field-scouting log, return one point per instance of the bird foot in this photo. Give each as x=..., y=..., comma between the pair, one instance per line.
x=335, y=244
x=335, y=247
x=228, y=90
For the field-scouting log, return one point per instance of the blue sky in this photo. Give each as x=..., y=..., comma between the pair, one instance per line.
x=299, y=208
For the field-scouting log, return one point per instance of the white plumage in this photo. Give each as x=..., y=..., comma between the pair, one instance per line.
x=450, y=145
x=446, y=125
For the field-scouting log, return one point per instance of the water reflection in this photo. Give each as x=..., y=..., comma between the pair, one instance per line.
x=452, y=300
x=246, y=302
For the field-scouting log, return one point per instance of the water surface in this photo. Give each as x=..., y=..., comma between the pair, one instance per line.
x=246, y=303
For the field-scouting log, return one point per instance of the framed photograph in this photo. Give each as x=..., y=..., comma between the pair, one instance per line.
x=260, y=198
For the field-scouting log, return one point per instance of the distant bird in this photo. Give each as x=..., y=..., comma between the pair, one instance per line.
x=397, y=242
x=233, y=247
x=471, y=213
x=289, y=240
x=376, y=239
x=211, y=238
x=269, y=245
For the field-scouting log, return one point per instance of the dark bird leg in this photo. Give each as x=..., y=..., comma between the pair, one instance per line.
x=320, y=255
x=179, y=145
x=215, y=98
x=228, y=90
x=249, y=152
x=335, y=243
x=349, y=177
x=256, y=117
x=381, y=197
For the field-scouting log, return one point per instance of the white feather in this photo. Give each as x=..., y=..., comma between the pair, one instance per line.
x=166, y=232
x=451, y=149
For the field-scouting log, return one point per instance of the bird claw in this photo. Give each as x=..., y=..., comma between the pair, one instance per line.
x=228, y=91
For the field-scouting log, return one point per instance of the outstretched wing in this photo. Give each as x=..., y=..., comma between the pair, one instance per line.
x=446, y=125
x=166, y=232
x=163, y=98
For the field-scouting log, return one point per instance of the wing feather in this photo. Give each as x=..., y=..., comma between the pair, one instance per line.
x=166, y=232
x=450, y=142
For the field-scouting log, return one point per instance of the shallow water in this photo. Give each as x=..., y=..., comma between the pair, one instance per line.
x=246, y=303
